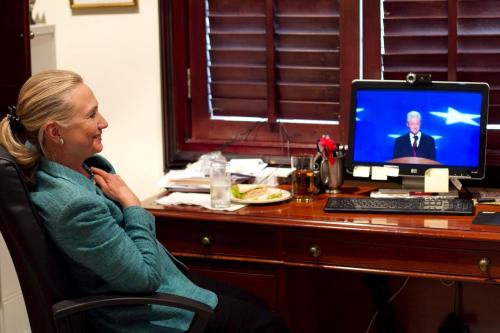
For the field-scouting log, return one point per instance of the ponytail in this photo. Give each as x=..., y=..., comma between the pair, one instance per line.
x=26, y=155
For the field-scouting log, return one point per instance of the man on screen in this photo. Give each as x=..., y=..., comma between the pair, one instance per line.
x=414, y=143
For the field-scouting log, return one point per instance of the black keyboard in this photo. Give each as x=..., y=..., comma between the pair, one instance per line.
x=427, y=205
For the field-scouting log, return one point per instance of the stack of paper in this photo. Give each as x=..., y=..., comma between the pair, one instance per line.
x=193, y=179
x=248, y=170
x=185, y=181
x=198, y=199
x=247, y=166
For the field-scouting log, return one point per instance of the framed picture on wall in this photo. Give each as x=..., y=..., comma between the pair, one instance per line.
x=75, y=4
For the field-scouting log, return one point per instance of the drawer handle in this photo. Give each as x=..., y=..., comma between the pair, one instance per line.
x=484, y=264
x=206, y=241
x=315, y=251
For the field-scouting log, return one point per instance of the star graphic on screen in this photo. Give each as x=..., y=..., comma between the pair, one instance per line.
x=454, y=117
x=358, y=110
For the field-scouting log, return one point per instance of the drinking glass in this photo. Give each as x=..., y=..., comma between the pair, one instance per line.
x=220, y=183
x=302, y=177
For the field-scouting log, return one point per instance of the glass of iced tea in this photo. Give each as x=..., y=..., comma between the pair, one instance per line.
x=302, y=178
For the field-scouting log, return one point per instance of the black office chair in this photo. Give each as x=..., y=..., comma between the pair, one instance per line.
x=52, y=301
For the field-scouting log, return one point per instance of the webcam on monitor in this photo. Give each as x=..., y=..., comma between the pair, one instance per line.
x=418, y=78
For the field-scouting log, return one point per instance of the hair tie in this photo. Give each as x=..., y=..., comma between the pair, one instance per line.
x=14, y=121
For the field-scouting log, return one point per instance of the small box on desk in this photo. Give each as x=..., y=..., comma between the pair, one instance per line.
x=487, y=218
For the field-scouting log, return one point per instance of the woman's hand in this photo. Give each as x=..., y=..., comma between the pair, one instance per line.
x=114, y=187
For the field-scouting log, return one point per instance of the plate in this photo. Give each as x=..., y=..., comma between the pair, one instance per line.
x=263, y=199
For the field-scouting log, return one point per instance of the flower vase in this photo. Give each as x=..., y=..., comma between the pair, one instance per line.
x=335, y=175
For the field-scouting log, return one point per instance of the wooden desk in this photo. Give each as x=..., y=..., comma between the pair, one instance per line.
x=258, y=246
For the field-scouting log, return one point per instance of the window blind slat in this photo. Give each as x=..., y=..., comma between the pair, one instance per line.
x=317, y=93
x=238, y=57
x=239, y=73
x=226, y=7
x=478, y=26
x=483, y=8
x=308, y=74
x=328, y=24
x=309, y=110
x=400, y=75
x=416, y=27
x=237, y=41
x=301, y=7
x=429, y=9
x=415, y=45
x=238, y=89
x=239, y=107
x=307, y=41
x=241, y=23
x=493, y=78
x=479, y=62
x=308, y=58
x=479, y=44
x=416, y=62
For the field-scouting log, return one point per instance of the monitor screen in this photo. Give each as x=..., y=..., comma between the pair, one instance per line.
x=440, y=124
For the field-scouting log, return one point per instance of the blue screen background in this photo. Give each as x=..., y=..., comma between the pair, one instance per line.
x=381, y=118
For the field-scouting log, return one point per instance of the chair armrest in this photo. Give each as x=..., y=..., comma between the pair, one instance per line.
x=66, y=308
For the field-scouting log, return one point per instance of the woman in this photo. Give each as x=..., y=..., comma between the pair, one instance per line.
x=96, y=220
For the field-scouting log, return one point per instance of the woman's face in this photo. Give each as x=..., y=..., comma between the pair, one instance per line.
x=82, y=138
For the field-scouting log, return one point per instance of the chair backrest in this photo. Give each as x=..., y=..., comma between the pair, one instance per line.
x=40, y=268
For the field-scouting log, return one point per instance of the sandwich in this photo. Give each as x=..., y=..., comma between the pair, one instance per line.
x=250, y=191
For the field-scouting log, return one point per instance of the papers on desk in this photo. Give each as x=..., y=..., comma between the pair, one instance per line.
x=247, y=166
x=194, y=180
x=198, y=199
x=185, y=181
x=401, y=193
x=269, y=175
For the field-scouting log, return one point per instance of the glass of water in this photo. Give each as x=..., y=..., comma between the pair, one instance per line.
x=220, y=183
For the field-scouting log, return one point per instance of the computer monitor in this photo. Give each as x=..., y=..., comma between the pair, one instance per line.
x=448, y=118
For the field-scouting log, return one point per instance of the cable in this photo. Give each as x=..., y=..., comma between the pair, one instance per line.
x=388, y=301
x=253, y=129
x=284, y=136
x=245, y=134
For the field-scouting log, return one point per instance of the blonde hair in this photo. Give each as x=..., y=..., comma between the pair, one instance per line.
x=43, y=97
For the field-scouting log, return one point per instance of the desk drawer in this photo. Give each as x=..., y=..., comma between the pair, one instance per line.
x=394, y=253
x=261, y=281
x=227, y=239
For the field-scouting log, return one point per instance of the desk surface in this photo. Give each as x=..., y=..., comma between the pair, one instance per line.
x=311, y=215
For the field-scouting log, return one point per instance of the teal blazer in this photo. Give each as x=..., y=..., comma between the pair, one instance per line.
x=110, y=249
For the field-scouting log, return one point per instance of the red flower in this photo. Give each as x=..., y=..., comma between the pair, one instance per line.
x=327, y=146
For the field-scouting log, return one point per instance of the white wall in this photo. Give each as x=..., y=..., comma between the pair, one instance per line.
x=13, y=316
x=117, y=53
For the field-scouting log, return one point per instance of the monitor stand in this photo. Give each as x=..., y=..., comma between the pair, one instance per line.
x=413, y=183
x=414, y=186
x=418, y=183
